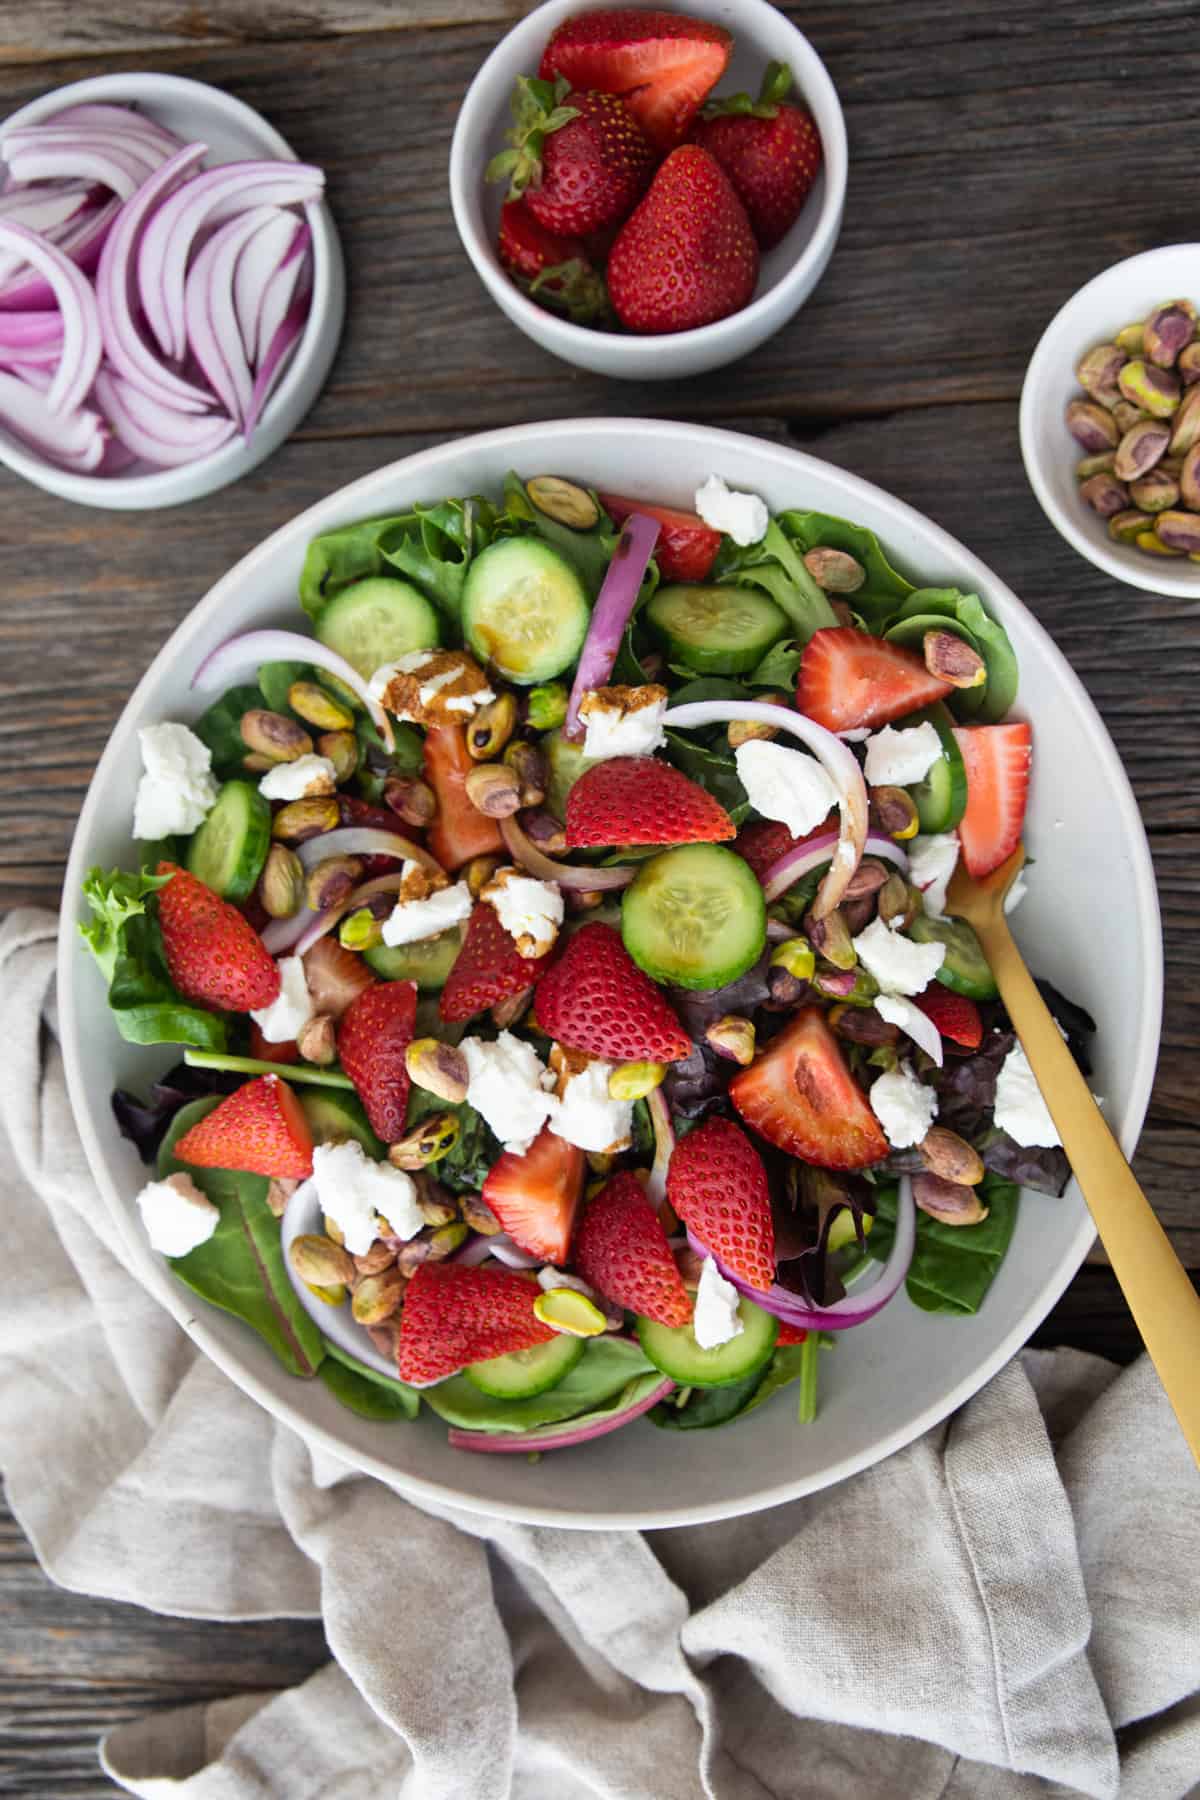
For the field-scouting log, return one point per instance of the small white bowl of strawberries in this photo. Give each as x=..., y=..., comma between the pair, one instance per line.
x=650, y=194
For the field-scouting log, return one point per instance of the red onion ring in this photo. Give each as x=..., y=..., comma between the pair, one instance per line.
x=610, y=615
x=855, y=1308
x=555, y=1437
x=834, y=757
x=794, y=864
x=918, y=1025
x=276, y=300
x=591, y=880
x=237, y=656
x=364, y=840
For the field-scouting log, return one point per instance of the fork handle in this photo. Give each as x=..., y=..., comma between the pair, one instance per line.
x=1164, y=1304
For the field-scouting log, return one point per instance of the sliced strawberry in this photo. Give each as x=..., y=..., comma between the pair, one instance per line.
x=595, y=998
x=260, y=1128
x=375, y=1031
x=955, y=1016
x=662, y=63
x=454, y=1316
x=639, y=800
x=764, y=841
x=460, y=831
x=998, y=759
x=802, y=1098
x=266, y=1051
x=622, y=1250
x=849, y=679
x=214, y=955
x=335, y=976
x=717, y=1184
x=536, y=1196
x=486, y=970
x=789, y=1334
x=686, y=547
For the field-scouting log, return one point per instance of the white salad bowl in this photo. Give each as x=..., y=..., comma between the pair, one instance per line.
x=1121, y=295
x=789, y=272
x=234, y=132
x=1089, y=923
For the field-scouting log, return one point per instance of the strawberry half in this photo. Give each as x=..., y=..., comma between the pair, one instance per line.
x=375, y=1031
x=579, y=158
x=848, y=679
x=459, y=830
x=662, y=63
x=260, y=1128
x=555, y=270
x=687, y=256
x=536, y=1196
x=622, y=1250
x=595, y=998
x=335, y=976
x=686, y=547
x=770, y=151
x=802, y=1098
x=639, y=800
x=486, y=970
x=998, y=759
x=955, y=1016
x=454, y=1316
x=717, y=1184
x=214, y=956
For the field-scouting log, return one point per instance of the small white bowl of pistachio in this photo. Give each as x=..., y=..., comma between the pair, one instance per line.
x=1110, y=421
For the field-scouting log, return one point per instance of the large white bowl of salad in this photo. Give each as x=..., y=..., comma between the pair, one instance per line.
x=506, y=988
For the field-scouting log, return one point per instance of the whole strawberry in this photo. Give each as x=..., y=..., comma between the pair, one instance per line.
x=550, y=268
x=770, y=150
x=718, y=1186
x=595, y=998
x=375, y=1031
x=454, y=1315
x=623, y=1251
x=687, y=256
x=214, y=956
x=579, y=159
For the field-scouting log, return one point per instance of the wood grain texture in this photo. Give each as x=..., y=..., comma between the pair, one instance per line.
x=1000, y=155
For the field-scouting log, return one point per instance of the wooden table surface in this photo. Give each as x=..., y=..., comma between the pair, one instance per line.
x=1001, y=153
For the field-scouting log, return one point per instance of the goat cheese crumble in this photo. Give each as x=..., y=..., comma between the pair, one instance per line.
x=897, y=758
x=307, y=776
x=291, y=1008
x=623, y=721
x=1019, y=1108
x=784, y=784
x=904, y=1106
x=178, y=789
x=899, y=965
x=411, y=921
x=527, y=908
x=507, y=1083
x=362, y=1197
x=932, y=861
x=742, y=517
x=588, y=1116
x=177, y=1217
x=715, y=1318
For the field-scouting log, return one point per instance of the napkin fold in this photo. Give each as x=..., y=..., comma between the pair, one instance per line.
x=1010, y=1607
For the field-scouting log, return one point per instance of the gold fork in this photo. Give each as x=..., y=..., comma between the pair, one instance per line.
x=1164, y=1304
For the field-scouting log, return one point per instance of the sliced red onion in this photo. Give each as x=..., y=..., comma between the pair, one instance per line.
x=211, y=319
x=305, y=928
x=154, y=432
x=510, y=1254
x=908, y=1016
x=591, y=880
x=556, y=1437
x=260, y=260
x=73, y=216
x=237, y=656
x=124, y=344
x=276, y=299
x=207, y=201
x=476, y=1250
x=664, y=1144
x=123, y=118
x=25, y=331
x=834, y=757
x=794, y=864
x=364, y=840
x=276, y=358
x=610, y=615
x=121, y=167
x=857, y=1307
x=81, y=343
x=75, y=440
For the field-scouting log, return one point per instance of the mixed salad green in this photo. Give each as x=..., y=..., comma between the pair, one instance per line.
x=571, y=1025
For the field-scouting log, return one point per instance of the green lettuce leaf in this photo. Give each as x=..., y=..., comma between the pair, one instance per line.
x=114, y=898
x=125, y=939
x=431, y=546
x=884, y=590
x=610, y=1375
x=774, y=565
x=953, y=1266
x=241, y=1267
x=779, y=668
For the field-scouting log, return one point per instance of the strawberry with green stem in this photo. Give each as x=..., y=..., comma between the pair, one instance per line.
x=550, y=268
x=579, y=160
x=770, y=150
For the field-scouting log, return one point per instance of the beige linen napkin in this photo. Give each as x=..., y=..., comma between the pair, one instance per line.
x=1008, y=1608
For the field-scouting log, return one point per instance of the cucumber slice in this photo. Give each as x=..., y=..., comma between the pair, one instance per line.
x=228, y=851
x=941, y=797
x=567, y=764
x=525, y=1372
x=674, y=1349
x=333, y=1116
x=715, y=630
x=428, y=962
x=965, y=968
x=694, y=916
x=373, y=622
x=524, y=610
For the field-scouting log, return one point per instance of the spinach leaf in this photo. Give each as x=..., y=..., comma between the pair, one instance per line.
x=363, y=1389
x=779, y=668
x=884, y=590
x=274, y=680
x=145, y=1005
x=628, y=670
x=774, y=565
x=221, y=728
x=786, y=1366
x=953, y=1265
x=241, y=1268
x=714, y=769
x=708, y=687
x=706, y=1408
x=993, y=700
x=466, y=1168
x=610, y=1375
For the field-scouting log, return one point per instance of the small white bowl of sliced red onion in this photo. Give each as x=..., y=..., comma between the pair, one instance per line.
x=171, y=290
